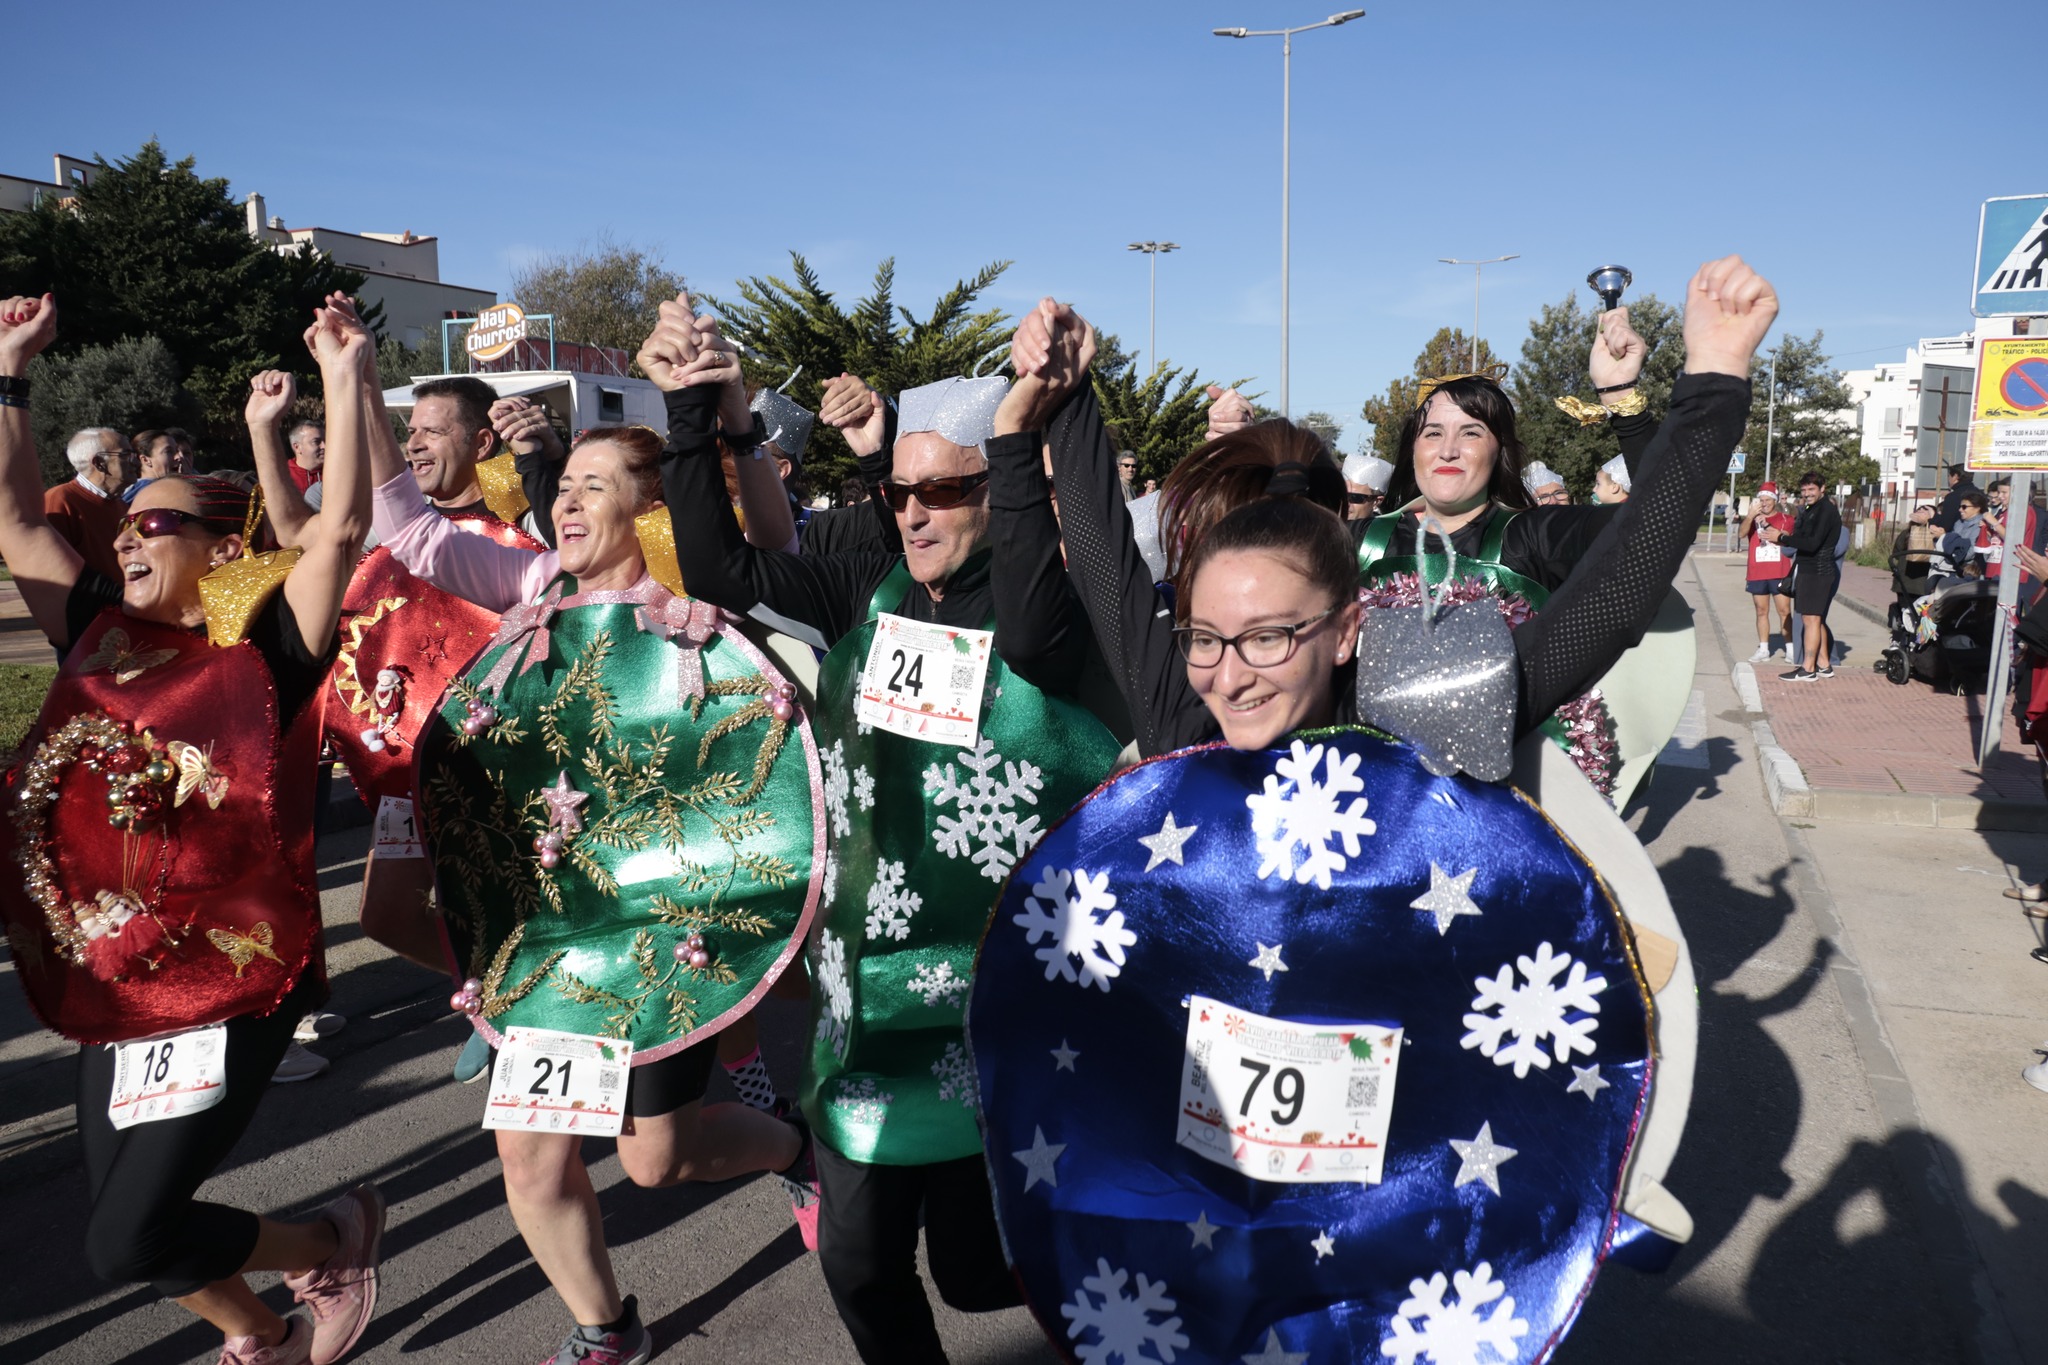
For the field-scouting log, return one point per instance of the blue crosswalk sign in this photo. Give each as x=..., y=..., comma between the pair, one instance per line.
x=1737, y=461
x=2012, y=257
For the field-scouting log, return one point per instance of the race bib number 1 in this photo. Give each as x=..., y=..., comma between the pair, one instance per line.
x=1285, y=1102
x=167, y=1078
x=924, y=681
x=397, y=835
x=547, y=1081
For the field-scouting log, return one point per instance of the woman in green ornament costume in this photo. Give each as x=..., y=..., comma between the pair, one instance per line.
x=949, y=718
x=621, y=803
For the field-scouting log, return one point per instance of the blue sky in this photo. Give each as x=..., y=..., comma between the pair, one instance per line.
x=1833, y=144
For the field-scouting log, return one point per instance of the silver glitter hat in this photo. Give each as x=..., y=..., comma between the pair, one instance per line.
x=1369, y=470
x=787, y=422
x=1539, y=475
x=961, y=410
x=1617, y=470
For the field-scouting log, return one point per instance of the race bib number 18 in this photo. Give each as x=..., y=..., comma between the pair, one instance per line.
x=167, y=1078
x=547, y=1081
x=924, y=681
x=1286, y=1102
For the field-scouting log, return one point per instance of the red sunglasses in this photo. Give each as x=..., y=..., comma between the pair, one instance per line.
x=937, y=494
x=162, y=521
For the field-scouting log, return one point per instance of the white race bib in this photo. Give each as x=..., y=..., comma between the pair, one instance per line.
x=1286, y=1102
x=1994, y=553
x=924, y=681
x=1769, y=554
x=397, y=836
x=167, y=1078
x=547, y=1081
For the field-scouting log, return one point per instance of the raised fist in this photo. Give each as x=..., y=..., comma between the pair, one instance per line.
x=1051, y=352
x=672, y=344
x=27, y=325
x=1618, y=353
x=857, y=411
x=1229, y=411
x=271, y=395
x=1728, y=309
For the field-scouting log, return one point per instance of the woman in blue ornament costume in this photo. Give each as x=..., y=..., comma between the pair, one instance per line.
x=1316, y=1044
x=951, y=720
x=622, y=806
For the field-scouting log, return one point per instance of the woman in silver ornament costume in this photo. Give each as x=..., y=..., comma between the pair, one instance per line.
x=163, y=829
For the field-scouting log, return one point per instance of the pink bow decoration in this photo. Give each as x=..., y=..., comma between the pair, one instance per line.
x=527, y=619
x=663, y=613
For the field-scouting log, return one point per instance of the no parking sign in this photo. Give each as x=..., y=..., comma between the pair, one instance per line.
x=2009, y=427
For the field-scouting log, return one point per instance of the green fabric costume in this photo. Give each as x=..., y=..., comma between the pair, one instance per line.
x=677, y=815
x=924, y=836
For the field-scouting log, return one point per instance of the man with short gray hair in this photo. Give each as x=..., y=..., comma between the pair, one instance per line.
x=87, y=509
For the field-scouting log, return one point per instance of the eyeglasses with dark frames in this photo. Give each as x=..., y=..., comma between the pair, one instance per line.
x=152, y=522
x=1259, y=647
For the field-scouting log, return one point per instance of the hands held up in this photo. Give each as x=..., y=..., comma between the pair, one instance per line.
x=1728, y=310
x=1618, y=354
x=857, y=411
x=1051, y=352
x=27, y=325
x=1229, y=411
x=523, y=425
x=684, y=351
x=338, y=340
x=271, y=395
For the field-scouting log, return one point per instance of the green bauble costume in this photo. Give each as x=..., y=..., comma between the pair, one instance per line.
x=924, y=836
x=642, y=733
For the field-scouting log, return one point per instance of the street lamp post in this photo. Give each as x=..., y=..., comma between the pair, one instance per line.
x=1154, y=250
x=1771, y=418
x=1286, y=37
x=1477, y=266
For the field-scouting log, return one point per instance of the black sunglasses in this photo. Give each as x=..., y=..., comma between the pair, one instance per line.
x=165, y=521
x=937, y=494
x=1356, y=498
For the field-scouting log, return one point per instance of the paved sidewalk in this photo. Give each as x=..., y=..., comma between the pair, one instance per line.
x=1868, y=749
x=20, y=641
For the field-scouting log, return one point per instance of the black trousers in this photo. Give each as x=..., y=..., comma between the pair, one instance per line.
x=145, y=1223
x=867, y=1247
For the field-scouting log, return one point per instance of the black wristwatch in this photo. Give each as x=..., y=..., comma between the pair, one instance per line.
x=13, y=386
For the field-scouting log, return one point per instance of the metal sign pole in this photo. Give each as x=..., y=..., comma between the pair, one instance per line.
x=1997, y=682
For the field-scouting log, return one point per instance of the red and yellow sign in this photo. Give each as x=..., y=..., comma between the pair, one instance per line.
x=498, y=329
x=2009, y=424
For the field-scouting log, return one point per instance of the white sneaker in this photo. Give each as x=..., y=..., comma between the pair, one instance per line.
x=1787, y=653
x=298, y=1065
x=2037, y=1074
x=317, y=1025
x=1762, y=655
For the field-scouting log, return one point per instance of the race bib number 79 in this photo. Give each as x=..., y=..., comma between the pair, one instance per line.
x=548, y=1081
x=1286, y=1102
x=924, y=681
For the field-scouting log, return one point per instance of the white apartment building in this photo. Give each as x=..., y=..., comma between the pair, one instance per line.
x=1915, y=413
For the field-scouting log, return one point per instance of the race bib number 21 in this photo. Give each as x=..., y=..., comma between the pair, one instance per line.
x=548, y=1081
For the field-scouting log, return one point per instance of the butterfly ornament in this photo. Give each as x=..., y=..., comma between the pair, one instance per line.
x=120, y=656
x=197, y=774
x=243, y=949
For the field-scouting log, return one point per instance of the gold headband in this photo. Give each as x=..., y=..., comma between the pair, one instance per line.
x=1493, y=374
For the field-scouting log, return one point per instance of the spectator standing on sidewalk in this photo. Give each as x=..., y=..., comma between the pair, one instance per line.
x=1958, y=484
x=308, y=440
x=1813, y=536
x=1770, y=570
x=1993, y=538
x=1963, y=547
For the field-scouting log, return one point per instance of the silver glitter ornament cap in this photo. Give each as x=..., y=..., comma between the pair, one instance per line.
x=961, y=410
x=787, y=422
x=1539, y=475
x=1617, y=470
x=1369, y=470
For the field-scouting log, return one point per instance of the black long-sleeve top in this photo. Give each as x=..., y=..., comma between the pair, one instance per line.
x=1815, y=533
x=1041, y=626
x=1627, y=559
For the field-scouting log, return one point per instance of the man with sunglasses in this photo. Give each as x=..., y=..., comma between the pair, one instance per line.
x=949, y=724
x=86, y=510
x=1365, y=482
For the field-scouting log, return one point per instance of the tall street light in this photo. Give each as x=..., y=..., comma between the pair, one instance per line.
x=1477, y=266
x=1154, y=249
x=1286, y=37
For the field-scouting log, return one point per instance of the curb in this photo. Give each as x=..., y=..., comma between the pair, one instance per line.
x=1874, y=615
x=1744, y=678
x=1783, y=781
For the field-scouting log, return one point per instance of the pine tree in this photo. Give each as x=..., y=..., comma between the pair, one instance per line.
x=1813, y=427
x=1553, y=365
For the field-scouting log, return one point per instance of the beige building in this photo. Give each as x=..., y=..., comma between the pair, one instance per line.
x=401, y=271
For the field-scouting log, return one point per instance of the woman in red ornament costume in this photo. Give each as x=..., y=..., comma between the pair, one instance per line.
x=159, y=896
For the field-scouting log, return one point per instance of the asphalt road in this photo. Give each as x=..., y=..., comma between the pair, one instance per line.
x=1823, y=1231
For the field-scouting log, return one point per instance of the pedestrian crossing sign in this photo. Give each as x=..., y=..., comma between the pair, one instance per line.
x=2012, y=257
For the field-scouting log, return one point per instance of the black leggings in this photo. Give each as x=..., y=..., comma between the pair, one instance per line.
x=867, y=1247
x=145, y=1224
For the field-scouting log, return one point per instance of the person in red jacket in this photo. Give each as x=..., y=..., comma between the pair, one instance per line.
x=1770, y=570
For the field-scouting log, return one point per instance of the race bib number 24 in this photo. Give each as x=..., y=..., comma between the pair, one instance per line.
x=924, y=681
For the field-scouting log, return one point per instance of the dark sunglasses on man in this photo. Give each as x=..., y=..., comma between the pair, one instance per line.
x=936, y=494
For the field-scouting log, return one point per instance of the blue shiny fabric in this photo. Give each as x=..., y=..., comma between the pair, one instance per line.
x=1122, y=1194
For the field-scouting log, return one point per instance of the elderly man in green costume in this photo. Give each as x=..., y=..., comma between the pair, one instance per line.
x=952, y=730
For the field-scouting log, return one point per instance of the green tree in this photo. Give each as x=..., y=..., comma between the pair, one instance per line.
x=604, y=294
x=149, y=248
x=1448, y=352
x=1325, y=426
x=785, y=325
x=1553, y=365
x=130, y=385
x=1813, y=427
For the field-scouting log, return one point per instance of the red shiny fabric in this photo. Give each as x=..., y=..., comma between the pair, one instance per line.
x=234, y=869
x=428, y=640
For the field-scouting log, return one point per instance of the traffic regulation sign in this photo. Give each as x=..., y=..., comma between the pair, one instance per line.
x=2012, y=257
x=1737, y=461
x=2009, y=423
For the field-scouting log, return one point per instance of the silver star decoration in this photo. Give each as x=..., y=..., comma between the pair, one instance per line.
x=1165, y=846
x=1268, y=960
x=1586, y=1081
x=1273, y=1354
x=562, y=800
x=1480, y=1159
x=1063, y=1057
x=1204, y=1230
x=1038, y=1159
x=1325, y=1245
x=1448, y=897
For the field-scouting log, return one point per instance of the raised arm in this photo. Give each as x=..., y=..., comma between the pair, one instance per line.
x=1614, y=365
x=333, y=541
x=271, y=395
x=537, y=456
x=868, y=422
x=770, y=525
x=44, y=565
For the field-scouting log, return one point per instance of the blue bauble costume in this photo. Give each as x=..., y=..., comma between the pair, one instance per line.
x=1218, y=944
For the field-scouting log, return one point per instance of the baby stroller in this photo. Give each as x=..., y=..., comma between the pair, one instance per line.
x=1915, y=569
x=1944, y=637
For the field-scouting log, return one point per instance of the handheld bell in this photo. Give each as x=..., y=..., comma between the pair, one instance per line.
x=1608, y=282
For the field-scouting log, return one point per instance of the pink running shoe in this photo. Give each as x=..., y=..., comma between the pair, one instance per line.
x=804, y=1208
x=343, y=1293
x=295, y=1349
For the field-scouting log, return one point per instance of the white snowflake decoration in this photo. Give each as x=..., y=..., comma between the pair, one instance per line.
x=1309, y=814
x=987, y=828
x=836, y=786
x=864, y=788
x=828, y=891
x=838, y=995
x=862, y=1101
x=938, y=986
x=1455, y=1333
x=889, y=905
x=956, y=1077
x=1123, y=1325
x=1063, y=904
x=1534, y=1012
